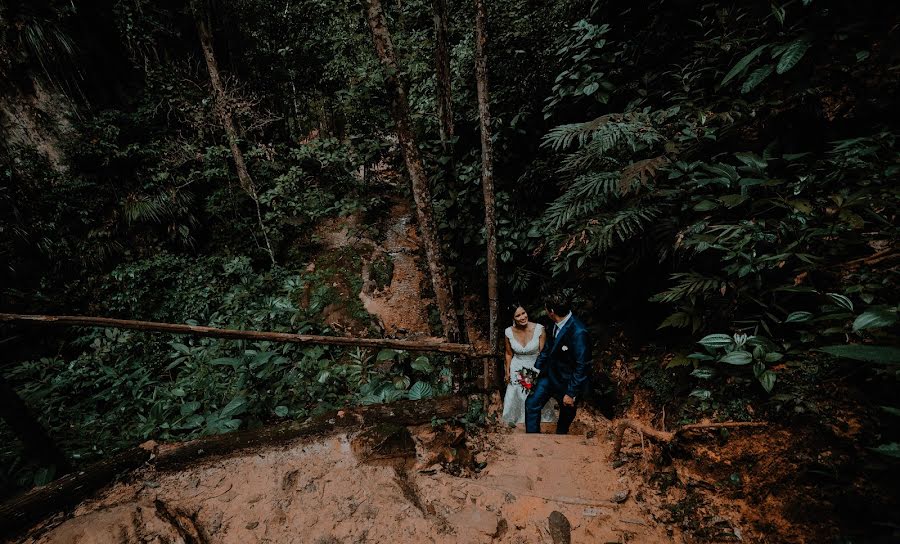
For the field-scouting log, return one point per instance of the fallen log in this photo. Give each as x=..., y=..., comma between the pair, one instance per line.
x=198, y=330
x=620, y=425
x=68, y=491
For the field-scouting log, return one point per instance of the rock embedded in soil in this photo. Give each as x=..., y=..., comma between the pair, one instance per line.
x=560, y=528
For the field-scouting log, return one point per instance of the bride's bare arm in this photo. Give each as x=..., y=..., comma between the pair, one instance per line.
x=541, y=340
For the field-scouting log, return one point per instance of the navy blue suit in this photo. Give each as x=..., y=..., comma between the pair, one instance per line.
x=565, y=366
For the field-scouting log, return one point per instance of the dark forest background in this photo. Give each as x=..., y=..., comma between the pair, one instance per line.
x=716, y=182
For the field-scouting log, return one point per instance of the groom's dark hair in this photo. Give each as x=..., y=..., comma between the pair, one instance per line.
x=558, y=303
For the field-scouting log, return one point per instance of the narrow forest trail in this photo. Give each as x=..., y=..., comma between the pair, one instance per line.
x=400, y=305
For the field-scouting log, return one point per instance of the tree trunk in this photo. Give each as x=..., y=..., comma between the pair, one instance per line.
x=487, y=170
x=224, y=114
x=68, y=491
x=442, y=68
x=384, y=47
x=212, y=332
x=29, y=430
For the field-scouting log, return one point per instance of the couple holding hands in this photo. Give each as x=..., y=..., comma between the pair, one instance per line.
x=542, y=366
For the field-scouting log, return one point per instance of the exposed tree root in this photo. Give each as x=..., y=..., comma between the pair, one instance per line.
x=666, y=437
x=183, y=523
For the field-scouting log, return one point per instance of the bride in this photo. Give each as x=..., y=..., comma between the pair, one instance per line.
x=524, y=340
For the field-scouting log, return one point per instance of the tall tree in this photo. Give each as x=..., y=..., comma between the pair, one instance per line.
x=201, y=17
x=384, y=47
x=442, y=68
x=487, y=168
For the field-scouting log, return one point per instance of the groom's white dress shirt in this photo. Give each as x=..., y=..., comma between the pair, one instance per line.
x=559, y=325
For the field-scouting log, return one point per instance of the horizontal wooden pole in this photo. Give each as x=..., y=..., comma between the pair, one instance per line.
x=213, y=332
x=19, y=512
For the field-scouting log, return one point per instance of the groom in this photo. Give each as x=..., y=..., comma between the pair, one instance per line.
x=564, y=365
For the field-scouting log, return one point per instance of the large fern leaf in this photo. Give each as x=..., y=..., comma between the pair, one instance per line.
x=792, y=55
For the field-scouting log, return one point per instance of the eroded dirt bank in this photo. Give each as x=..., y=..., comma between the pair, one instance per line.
x=330, y=491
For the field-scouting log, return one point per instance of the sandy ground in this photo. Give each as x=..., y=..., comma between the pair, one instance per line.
x=324, y=492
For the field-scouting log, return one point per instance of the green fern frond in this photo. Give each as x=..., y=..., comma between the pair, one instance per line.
x=585, y=196
x=688, y=284
x=604, y=134
x=155, y=208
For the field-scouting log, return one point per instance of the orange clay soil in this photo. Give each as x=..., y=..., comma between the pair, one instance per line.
x=326, y=491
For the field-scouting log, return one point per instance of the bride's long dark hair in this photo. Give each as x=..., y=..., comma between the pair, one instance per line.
x=512, y=309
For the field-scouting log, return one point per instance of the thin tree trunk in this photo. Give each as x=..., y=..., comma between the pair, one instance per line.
x=221, y=101
x=213, y=332
x=487, y=169
x=384, y=47
x=29, y=430
x=442, y=68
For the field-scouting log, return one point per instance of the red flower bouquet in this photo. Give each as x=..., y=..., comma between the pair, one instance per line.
x=526, y=377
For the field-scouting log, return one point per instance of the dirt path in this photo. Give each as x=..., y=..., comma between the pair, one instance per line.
x=399, y=306
x=322, y=493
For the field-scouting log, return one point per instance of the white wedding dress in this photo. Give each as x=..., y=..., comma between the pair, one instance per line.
x=523, y=356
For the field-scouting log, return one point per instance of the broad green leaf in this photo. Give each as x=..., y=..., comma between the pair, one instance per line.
x=742, y=64
x=702, y=394
x=420, y=390
x=891, y=410
x=732, y=201
x=798, y=317
x=189, y=408
x=422, y=364
x=756, y=77
x=386, y=354
x=237, y=406
x=874, y=318
x=678, y=319
x=401, y=382
x=703, y=373
x=737, y=358
x=773, y=357
x=705, y=206
x=891, y=450
x=281, y=411
x=792, y=55
x=841, y=300
x=701, y=357
x=194, y=421
x=767, y=380
x=869, y=354
x=716, y=341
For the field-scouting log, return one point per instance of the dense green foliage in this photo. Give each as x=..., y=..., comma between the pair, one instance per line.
x=718, y=180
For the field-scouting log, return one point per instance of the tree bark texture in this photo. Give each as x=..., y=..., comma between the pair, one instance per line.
x=197, y=330
x=442, y=69
x=384, y=47
x=225, y=117
x=487, y=169
x=28, y=429
x=68, y=491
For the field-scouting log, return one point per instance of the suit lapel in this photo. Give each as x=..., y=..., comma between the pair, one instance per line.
x=561, y=335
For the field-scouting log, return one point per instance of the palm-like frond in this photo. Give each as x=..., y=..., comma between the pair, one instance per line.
x=604, y=134
x=586, y=195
